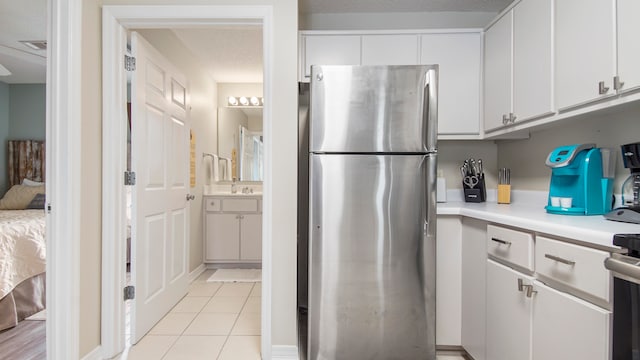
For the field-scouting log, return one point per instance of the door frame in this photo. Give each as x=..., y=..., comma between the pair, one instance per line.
x=63, y=177
x=115, y=21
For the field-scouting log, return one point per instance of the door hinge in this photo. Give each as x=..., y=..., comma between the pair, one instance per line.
x=129, y=63
x=48, y=208
x=129, y=178
x=129, y=292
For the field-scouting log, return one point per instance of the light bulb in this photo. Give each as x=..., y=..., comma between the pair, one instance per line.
x=244, y=101
x=233, y=101
x=255, y=101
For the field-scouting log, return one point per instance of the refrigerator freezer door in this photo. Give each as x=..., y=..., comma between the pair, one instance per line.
x=374, y=109
x=372, y=257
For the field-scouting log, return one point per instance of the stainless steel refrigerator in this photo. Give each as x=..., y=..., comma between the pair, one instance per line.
x=366, y=275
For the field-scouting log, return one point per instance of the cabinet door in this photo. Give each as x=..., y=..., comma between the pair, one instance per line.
x=628, y=44
x=459, y=80
x=498, y=45
x=508, y=314
x=532, y=59
x=330, y=50
x=223, y=237
x=448, y=281
x=389, y=49
x=251, y=237
x=584, y=33
x=474, y=261
x=565, y=327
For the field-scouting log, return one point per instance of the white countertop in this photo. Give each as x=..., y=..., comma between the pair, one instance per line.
x=594, y=231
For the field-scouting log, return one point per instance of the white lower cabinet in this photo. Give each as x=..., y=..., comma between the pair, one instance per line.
x=565, y=327
x=508, y=313
x=233, y=230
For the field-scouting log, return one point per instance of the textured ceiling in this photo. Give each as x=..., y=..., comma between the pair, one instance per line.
x=22, y=20
x=230, y=54
x=365, y=6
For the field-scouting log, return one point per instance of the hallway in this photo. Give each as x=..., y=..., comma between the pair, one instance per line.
x=214, y=321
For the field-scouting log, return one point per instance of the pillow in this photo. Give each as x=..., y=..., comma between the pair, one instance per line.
x=37, y=202
x=19, y=196
x=27, y=182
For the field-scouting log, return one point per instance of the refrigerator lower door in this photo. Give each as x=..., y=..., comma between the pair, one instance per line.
x=372, y=257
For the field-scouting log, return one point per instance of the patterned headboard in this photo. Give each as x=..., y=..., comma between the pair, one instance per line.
x=26, y=160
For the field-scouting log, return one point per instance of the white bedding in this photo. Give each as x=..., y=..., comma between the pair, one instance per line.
x=22, y=247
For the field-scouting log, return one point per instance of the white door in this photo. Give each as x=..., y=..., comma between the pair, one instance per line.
x=223, y=237
x=251, y=237
x=160, y=159
x=508, y=314
x=389, y=49
x=330, y=50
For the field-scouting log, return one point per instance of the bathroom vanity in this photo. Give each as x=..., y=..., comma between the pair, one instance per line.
x=232, y=228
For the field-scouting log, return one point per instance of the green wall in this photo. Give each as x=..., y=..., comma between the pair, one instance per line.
x=4, y=134
x=27, y=111
x=22, y=117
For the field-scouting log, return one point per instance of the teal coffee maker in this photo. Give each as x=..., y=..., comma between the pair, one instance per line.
x=581, y=180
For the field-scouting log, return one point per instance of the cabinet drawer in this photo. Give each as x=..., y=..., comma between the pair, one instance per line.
x=576, y=266
x=513, y=246
x=244, y=205
x=212, y=204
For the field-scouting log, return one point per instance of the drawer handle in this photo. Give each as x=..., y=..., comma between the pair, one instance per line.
x=529, y=291
x=559, y=259
x=520, y=284
x=503, y=242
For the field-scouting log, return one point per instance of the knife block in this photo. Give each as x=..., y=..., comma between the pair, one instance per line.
x=477, y=193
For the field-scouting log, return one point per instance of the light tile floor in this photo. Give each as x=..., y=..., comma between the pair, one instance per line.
x=214, y=321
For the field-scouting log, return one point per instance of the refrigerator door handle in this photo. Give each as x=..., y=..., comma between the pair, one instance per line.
x=430, y=109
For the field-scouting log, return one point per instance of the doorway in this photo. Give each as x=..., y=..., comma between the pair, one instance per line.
x=116, y=21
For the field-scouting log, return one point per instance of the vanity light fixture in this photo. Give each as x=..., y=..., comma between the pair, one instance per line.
x=243, y=101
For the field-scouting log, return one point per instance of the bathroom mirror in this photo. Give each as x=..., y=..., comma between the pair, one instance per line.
x=241, y=129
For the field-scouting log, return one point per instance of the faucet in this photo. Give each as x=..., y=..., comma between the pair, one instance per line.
x=247, y=190
x=234, y=188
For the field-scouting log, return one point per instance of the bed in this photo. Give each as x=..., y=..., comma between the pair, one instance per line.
x=22, y=235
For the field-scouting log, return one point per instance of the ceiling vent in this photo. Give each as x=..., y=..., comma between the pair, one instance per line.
x=35, y=44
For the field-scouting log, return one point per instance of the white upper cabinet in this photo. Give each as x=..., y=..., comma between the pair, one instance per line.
x=532, y=59
x=585, y=51
x=389, y=49
x=458, y=55
x=628, y=44
x=330, y=50
x=498, y=43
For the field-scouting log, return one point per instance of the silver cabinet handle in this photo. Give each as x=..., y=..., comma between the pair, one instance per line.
x=512, y=118
x=602, y=89
x=505, y=119
x=617, y=84
x=190, y=197
x=503, y=242
x=520, y=284
x=560, y=260
x=529, y=291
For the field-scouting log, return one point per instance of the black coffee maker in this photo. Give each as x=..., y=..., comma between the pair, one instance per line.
x=631, y=161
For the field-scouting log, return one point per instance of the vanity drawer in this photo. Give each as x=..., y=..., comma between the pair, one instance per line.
x=240, y=205
x=513, y=246
x=576, y=266
x=212, y=204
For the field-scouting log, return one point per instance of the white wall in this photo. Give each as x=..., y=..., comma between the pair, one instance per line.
x=451, y=155
x=399, y=20
x=203, y=117
x=526, y=158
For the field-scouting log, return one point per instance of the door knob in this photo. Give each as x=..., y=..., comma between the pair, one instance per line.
x=190, y=197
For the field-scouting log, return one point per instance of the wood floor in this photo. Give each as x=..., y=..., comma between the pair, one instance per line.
x=25, y=341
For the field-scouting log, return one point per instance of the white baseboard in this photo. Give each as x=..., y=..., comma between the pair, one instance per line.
x=197, y=272
x=284, y=352
x=95, y=354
